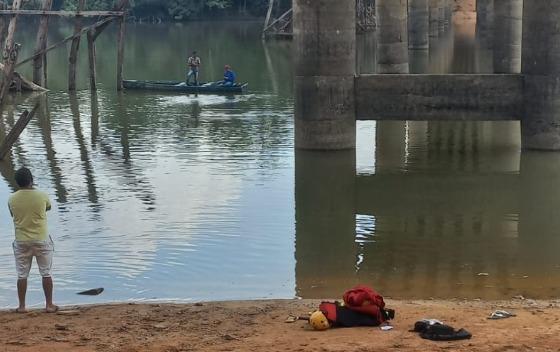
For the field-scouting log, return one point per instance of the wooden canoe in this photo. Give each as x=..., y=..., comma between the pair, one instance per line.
x=179, y=86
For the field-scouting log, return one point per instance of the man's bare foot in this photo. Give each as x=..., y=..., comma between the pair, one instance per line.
x=20, y=310
x=51, y=309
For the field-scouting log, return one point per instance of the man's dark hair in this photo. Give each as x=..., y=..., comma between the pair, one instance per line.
x=24, y=178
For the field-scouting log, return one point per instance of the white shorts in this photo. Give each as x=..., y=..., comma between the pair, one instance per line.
x=24, y=251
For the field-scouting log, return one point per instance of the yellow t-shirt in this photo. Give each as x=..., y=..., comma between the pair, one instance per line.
x=29, y=211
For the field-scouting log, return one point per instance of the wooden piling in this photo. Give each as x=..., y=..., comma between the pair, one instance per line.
x=39, y=62
x=73, y=57
x=91, y=57
x=15, y=132
x=10, y=53
x=120, y=53
x=3, y=23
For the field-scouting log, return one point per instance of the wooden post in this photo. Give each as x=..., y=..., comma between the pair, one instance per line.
x=10, y=53
x=18, y=128
x=267, y=19
x=91, y=57
x=73, y=58
x=3, y=23
x=120, y=53
x=38, y=62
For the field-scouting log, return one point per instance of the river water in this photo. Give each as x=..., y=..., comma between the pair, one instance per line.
x=177, y=197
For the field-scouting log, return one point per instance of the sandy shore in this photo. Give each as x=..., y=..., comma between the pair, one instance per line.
x=259, y=326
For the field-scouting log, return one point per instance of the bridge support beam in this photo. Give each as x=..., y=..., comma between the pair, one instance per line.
x=325, y=44
x=418, y=24
x=507, y=35
x=541, y=69
x=392, y=36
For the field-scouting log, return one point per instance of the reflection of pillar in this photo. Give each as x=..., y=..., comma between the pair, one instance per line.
x=418, y=24
x=434, y=18
x=391, y=137
x=507, y=35
x=538, y=215
x=392, y=36
x=94, y=118
x=541, y=69
x=325, y=38
x=325, y=222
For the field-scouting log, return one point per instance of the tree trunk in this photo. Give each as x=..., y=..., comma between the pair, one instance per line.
x=10, y=53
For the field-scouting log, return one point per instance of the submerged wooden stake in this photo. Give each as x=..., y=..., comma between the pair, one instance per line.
x=15, y=132
x=120, y=54
x=91, y=57
x=73, y=57
x=39, y=63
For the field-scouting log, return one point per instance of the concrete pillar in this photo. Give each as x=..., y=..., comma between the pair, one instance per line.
x=434, y=18
x=441, y=15
x=484, y=15
x=541, y=67
x=418, y=24
x=392, y=36
x=507, y=35
x=325, y=51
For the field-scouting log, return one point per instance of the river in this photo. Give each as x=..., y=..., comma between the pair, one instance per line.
x=187, y=198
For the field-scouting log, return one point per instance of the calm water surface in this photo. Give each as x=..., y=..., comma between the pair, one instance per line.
x=177, y=197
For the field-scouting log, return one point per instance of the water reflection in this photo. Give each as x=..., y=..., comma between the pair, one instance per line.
x=446, y=202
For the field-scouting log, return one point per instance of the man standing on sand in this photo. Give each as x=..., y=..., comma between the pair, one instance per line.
x=193, y=63
x=29, y=207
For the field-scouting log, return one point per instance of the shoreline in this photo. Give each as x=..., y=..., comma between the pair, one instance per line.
x=260, y=326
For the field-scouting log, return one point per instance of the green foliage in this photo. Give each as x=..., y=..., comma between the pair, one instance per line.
x=174, y=10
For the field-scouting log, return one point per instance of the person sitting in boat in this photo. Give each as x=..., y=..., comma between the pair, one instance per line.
x=229, y=77
x=194, y=63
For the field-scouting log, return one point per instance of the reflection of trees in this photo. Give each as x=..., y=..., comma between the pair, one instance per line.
x=44, y=119
x=84, y=154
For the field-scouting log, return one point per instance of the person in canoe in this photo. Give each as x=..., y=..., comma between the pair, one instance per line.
x=229, y=77
x=193, y=63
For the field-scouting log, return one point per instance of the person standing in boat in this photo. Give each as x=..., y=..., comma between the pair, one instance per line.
x=194, y=64
x=229, y=77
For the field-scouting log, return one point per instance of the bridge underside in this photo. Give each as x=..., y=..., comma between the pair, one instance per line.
x=456, y=97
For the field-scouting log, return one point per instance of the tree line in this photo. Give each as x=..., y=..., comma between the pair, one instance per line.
x=176, y=10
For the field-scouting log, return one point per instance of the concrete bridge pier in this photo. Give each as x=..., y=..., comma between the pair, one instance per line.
x=392, y=36
x=507, y=35
x=434, y=18
x=325, y=51
x=540, y=124
x=418, y=24
x=441, y=15
x=484, y=15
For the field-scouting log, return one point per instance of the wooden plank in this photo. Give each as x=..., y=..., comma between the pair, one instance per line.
x=120, y=54
x=62, y=13
x=16, y=131
x=41, y=44
x=10, y=53
x=67, y=39
x=91, y=59
x=73, y=57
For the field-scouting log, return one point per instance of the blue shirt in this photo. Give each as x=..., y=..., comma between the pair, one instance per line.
x=229, y=76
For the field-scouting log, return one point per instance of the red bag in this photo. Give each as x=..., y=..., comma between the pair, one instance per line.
x=366, y=300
